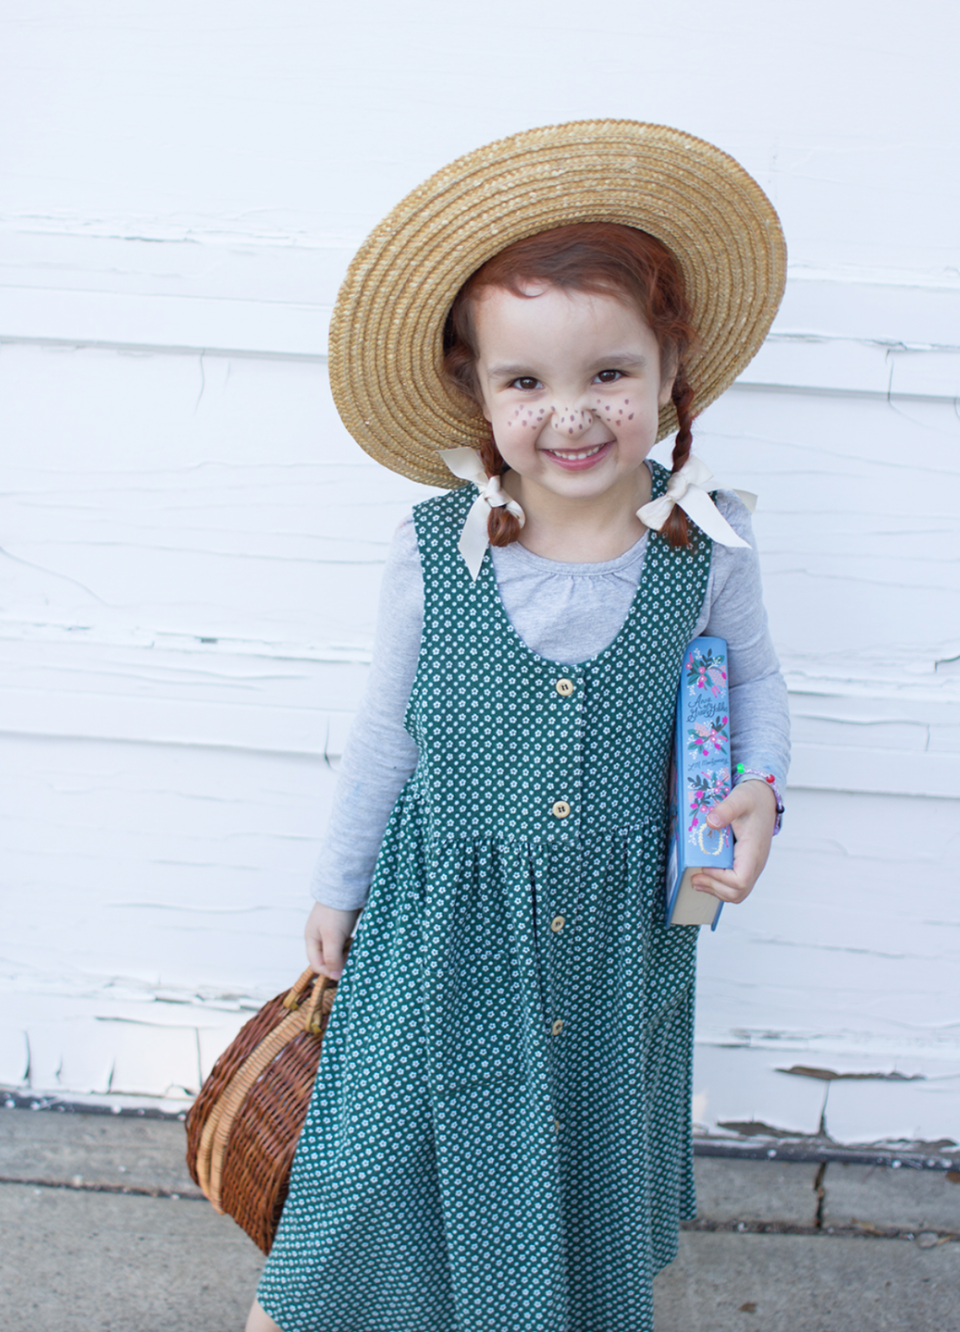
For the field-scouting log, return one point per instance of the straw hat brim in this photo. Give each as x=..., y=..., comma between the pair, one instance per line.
x=387, y=327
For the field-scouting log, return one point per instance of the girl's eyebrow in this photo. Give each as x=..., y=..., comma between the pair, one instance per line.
x=511, y=372
x=612, y=360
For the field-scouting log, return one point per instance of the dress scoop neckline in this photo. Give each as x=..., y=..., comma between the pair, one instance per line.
x=594, y=570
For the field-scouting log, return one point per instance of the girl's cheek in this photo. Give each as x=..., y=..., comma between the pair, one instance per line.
x=615, y=413
x=524, y=418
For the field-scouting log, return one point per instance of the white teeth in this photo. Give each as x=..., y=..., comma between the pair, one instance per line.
x=576, y=456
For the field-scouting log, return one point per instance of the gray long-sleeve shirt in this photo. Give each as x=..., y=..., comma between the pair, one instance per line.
x=566, y=613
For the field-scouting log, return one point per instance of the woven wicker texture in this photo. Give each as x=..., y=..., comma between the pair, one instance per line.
x=243, y=1128
x=387, y=327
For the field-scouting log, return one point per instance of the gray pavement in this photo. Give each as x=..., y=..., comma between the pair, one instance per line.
x=104, y=1231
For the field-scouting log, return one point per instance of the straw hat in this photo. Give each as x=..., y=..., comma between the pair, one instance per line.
x=386, y=334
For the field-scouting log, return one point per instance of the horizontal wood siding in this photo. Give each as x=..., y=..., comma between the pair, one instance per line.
x=191, y=544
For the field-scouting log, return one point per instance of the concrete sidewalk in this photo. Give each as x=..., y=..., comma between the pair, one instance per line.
x=104, y=1231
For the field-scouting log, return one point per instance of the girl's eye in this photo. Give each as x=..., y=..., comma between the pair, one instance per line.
x=609, y=376
x=525, y=382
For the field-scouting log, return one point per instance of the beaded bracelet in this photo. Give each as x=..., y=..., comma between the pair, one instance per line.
x=768, y=777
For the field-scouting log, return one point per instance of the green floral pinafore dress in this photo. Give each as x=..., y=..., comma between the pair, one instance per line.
x=500, y=1133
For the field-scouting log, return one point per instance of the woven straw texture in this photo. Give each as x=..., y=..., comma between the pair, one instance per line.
x=387, y=327
x=243, y=1128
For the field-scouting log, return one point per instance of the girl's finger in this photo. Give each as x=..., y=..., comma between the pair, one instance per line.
x=721, y=891
x=314, y=953
x=333, y=958
x=728, y=885
x=730, y=808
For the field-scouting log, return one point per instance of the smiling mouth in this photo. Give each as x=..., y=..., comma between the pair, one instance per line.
x=578, y=455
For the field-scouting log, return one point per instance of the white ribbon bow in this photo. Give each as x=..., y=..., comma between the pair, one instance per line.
x=686, y=489
x=474, y=539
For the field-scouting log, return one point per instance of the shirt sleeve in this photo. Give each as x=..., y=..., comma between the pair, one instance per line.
x=380, y=754
x=733, y=610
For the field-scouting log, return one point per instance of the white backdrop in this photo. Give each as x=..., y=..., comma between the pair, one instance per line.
x=191, y=543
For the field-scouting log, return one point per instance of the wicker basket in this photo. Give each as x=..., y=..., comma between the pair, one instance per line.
x=243, y=1128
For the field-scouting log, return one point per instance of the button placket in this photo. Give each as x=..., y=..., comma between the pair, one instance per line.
x=570, y=690
x=568, y=708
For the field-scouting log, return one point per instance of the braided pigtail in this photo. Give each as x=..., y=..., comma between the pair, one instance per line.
x=677, y=529
x=502, y=527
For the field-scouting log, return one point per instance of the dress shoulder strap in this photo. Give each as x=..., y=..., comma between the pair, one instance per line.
x=438, y=523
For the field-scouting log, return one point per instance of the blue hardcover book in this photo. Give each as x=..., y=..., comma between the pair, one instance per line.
x=700, y=778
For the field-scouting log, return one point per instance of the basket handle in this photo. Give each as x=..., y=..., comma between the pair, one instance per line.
x=323, y=988
x=297, y=990
x=322, y=985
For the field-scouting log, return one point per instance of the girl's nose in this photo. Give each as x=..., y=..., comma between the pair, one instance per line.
x=571, y=421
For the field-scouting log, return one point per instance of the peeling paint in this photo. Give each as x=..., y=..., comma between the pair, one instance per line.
x=192, y=546
x=828, y=1075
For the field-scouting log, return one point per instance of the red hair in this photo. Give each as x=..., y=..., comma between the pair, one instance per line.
x=601, y=258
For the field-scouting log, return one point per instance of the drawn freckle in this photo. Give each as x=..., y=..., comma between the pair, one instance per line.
x=630, y=417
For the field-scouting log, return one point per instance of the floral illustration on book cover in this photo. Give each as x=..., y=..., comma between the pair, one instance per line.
x=706, y=725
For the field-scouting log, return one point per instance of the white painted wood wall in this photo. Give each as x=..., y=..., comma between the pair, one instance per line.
x=191, y=543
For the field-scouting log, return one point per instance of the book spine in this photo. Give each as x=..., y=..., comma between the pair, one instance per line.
x=701, y=780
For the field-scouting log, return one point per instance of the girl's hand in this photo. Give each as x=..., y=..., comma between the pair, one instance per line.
x=751, y=810
x=326, y=932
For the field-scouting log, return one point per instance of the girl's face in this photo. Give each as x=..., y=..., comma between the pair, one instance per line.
x=572, y=385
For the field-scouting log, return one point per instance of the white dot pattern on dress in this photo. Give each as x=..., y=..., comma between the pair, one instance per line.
x=499, y=1138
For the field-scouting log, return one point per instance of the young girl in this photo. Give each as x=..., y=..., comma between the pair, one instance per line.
x=500, y=1132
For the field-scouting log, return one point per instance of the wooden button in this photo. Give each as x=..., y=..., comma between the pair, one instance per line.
x=561, y=809
x=557, y=1027
x=557, y=924
x=565, y=688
